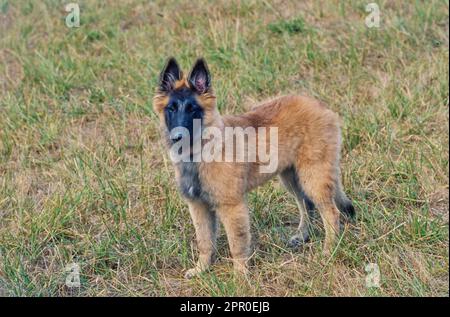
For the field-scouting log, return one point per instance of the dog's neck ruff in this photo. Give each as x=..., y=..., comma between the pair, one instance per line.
x=190, y=184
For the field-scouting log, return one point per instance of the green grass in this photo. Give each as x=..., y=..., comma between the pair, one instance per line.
x=84, y=177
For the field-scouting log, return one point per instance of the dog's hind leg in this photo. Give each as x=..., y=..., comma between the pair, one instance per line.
x=318, y=180
x=289, y=178
x=205, y=229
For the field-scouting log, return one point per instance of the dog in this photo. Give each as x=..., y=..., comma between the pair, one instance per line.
x=308, y=153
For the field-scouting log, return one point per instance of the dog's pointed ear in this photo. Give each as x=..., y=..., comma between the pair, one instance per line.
x=169, y=75
x=199, y=78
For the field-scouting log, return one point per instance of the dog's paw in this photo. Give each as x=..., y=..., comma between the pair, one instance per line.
x=240, y=267
x=240, y=270
x=192, y=273
x=297, y=241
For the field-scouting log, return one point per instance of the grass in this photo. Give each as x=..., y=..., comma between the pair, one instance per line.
x=84, y=177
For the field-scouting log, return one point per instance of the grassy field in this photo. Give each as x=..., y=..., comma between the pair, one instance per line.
x=85, y=179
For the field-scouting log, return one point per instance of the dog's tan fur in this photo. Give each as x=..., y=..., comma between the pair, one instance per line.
x=308, y=140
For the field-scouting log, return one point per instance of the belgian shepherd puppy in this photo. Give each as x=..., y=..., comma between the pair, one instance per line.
x=308, y=149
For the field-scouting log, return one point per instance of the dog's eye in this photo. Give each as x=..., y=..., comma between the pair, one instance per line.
x=189, y=107
x=172, y=108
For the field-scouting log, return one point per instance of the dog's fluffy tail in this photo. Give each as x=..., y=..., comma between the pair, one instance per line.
x=344, y=204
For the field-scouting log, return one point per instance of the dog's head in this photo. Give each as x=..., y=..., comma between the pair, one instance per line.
x=180, y=100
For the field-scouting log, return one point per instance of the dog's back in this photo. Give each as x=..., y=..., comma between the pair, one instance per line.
x=307, y=129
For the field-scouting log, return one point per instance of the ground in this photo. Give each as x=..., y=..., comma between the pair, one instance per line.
x=85, y=179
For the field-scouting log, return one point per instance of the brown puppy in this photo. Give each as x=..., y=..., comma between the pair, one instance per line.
x=307, y=147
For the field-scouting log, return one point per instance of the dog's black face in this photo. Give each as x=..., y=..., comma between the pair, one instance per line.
x=183, y=107
x=181, y=111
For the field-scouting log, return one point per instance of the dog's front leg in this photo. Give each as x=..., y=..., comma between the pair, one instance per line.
x=205, y=229
x=235, y=219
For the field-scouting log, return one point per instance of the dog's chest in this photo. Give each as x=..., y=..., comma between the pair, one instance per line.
x=190, y=184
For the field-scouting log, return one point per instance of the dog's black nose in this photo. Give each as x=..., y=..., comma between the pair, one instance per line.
x=177, y=137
